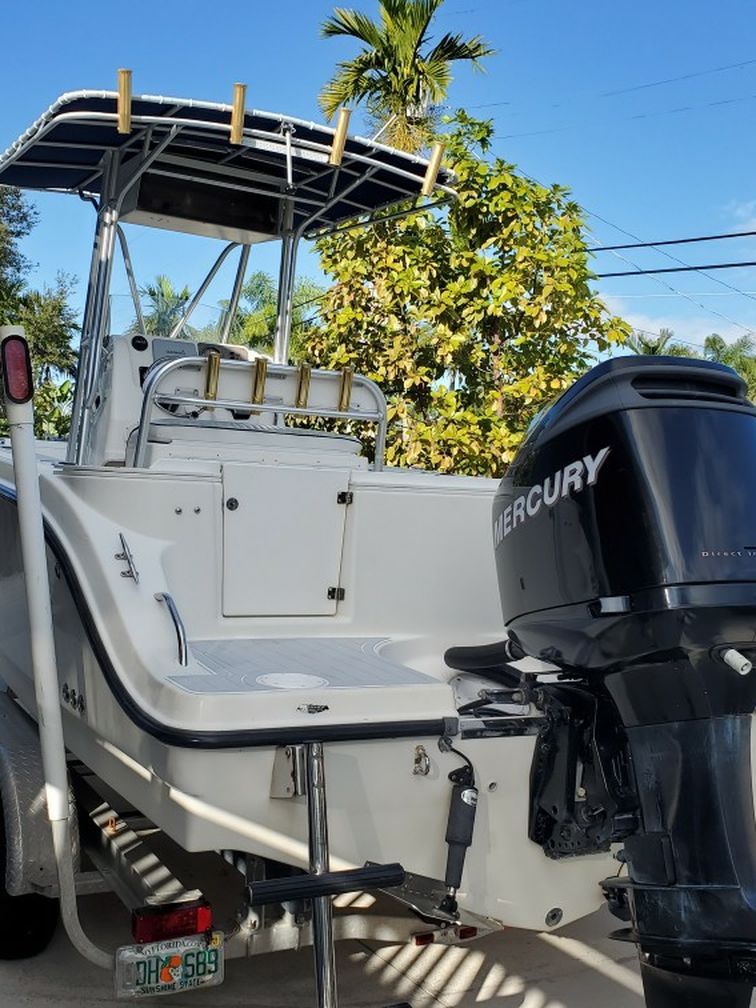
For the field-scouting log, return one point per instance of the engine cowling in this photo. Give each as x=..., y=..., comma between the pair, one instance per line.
x=625, y=540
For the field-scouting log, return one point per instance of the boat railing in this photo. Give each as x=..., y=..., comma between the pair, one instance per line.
x=250, y=388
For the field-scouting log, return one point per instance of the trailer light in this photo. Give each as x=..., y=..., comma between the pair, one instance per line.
x=15, y=362
x=149, y=924
x=451, y=935
x=424, y=938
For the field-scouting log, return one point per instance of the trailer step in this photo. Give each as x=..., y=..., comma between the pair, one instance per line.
x=305, y=887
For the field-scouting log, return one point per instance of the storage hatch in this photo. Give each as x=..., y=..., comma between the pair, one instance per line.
x=283, y=530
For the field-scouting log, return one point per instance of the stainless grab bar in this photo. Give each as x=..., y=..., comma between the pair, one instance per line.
x=151, y=393
x=178, y=624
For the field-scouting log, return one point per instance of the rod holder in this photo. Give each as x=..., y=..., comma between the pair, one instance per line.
x=213, y=374
x=345, y=389
x=340, y=138
x=303, y=386
x=124, y=101
x=261, y=376
x=434, y=167
x=237, y=113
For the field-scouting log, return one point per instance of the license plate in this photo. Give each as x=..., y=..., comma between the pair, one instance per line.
x=167, y=967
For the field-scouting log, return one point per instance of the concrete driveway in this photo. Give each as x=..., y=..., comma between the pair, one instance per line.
x=577, y=967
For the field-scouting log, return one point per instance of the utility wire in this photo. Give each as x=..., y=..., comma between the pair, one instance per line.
x=673, y=258
x=673, y=290
x=677, y=269
x=641, y=87
x=673, y=241
x=642, y=297
x=628, y=118
x=682, y=77
x=678, y=339
x=663, y=283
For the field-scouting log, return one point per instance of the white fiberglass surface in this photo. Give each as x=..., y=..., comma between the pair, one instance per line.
x=243, y=666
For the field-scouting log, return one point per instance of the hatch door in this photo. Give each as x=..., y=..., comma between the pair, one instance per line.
x=283, y=530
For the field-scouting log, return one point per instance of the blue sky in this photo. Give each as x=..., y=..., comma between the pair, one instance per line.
x=644, y=110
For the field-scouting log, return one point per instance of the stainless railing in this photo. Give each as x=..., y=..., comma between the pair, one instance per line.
x=357, y=399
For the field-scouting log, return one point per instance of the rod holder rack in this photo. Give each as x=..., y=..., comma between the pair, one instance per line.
x=371, y=407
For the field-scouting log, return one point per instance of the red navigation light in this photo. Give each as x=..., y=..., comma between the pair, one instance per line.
x=150, y=924
x=15, y=362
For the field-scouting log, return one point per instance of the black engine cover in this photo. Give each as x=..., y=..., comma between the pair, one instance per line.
x=605, y=523
x=625, y=536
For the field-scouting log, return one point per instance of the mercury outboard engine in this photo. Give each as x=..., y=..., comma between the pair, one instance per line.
x=625, y=537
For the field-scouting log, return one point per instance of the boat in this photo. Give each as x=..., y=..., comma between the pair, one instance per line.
x=341, y=677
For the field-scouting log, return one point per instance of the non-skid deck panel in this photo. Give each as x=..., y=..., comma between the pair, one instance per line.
x=262, y=665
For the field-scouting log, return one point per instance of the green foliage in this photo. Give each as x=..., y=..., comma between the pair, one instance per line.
x=52, y=409
x=652, y=344
x=399, y=76
x=17, y=219
x=739, y=355
x=164, y=306
x=470, y=321
x=50, y=322
x=46, y=315
x=255, y=324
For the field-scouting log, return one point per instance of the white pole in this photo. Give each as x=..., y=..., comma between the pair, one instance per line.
x=33, y=550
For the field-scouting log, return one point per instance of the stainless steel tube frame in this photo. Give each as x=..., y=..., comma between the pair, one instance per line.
x=322, y=908
x=178, y=626
x=152, y=392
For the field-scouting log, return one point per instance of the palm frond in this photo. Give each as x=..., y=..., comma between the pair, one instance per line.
x=395, y=75
x=419, y=17
x=454, y=47
x=353, y=81
x=353, y=23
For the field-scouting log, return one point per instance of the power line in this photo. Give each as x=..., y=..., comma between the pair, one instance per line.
x=673, y=241
x=680, y=262
x=644, y=297
x=628, y=118
x=677, y=269
x=682, y=77
x=663, y=283
x=643, y=86
x=677, y=293
x=678, y=339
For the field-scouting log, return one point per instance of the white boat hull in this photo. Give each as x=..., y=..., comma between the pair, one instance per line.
x=194, y=749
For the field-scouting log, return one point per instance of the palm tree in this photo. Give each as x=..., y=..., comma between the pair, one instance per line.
x=257, y=315
x=740, y=355
x=165, y=306
x=654, y=344
x=398, y=75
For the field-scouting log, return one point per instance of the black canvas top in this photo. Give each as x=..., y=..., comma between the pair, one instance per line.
x=64, y=151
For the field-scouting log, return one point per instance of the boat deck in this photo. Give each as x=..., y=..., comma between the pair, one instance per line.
x=263, y=665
